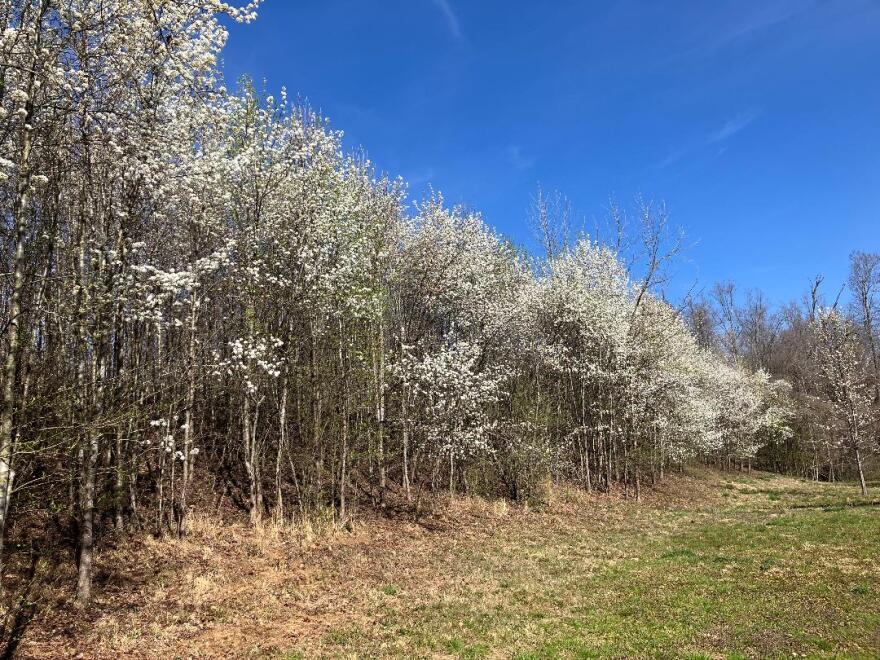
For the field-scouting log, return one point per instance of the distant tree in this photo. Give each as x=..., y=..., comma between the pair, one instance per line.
x=701, y=320
x=729, y=321
x=864, y=282
x=759, y=330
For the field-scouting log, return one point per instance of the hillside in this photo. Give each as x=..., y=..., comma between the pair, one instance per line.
x=710, y=564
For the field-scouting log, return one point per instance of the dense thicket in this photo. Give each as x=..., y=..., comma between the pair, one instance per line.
x=828, y=355
x=203, y=283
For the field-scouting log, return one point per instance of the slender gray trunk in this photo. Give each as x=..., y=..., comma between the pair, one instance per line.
x=21, y=210
x=862, y=483
x=87, y=536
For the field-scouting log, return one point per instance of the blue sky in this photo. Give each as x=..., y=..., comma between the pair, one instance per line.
x=757, y=122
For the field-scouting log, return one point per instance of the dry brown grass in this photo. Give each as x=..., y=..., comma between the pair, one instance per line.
x=228, y=590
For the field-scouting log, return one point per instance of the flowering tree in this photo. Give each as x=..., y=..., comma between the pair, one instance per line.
x=842, y=369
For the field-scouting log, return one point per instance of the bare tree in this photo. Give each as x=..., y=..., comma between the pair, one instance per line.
x=759, y=330
x=550, y=215
x=701, y=319
x=724, y=297
x=864, y=282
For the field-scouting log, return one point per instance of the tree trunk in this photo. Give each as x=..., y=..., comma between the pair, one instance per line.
x=87, y=537
x=379, y=378
x=278, y=512
x=343, y=473
x=862, y=483
x=20, y=212
x=248, y=430
x=119, y=482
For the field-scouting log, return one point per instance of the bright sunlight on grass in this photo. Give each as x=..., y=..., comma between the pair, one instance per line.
x=770, y=567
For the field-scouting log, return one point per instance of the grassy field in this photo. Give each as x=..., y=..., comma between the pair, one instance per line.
x=708, y=565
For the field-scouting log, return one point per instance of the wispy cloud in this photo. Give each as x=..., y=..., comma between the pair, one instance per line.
x=726, y=131
x=517, y=158
x=673, y=157
x=770, y=17
x=717, y=36
x=451, y=17
x=735, y=125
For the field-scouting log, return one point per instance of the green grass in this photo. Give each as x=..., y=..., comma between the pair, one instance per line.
x=792, y=567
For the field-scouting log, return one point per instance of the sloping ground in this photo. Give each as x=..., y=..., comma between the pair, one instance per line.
x=708, y=565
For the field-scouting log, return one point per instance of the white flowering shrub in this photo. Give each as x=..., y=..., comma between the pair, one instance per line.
x=454, y=394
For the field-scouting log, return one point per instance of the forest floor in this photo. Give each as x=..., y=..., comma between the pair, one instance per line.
x=709, y=564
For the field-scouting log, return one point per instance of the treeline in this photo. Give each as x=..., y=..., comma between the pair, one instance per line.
x=827, y=350
x=203, y=290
